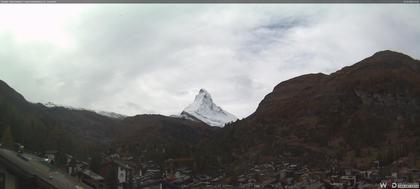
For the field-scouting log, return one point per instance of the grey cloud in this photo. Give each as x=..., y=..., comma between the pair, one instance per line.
x=154, y=58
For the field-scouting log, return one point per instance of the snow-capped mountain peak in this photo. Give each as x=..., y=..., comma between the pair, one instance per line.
x=50, y=105
x=202, y=100
x=103, y=113
x=111, y=114
x=204, y=109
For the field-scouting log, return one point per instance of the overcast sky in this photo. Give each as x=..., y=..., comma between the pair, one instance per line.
x=142, y=58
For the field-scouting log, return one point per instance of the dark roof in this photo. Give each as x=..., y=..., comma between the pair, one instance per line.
x=122, y=164
x=92, y=175
x=51, y=151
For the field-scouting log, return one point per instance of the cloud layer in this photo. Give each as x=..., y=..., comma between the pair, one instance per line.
x=135, y=59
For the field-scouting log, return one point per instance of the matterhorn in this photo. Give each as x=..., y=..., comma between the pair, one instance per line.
x=204, y=109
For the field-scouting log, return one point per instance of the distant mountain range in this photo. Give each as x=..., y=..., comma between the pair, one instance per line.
x=84, y=133
x=203, y=109
x=364, y=112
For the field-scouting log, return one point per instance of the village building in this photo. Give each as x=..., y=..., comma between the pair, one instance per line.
x=122, y=173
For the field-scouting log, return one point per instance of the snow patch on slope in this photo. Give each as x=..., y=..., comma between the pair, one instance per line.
x=103, y=113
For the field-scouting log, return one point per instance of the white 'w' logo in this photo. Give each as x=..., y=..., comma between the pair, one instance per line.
x=382, y=184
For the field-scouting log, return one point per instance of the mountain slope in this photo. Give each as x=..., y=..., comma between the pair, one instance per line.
x=363, y=112
x=33, y=126
x=146, y=128
x=158, y=138
x=204, y=109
